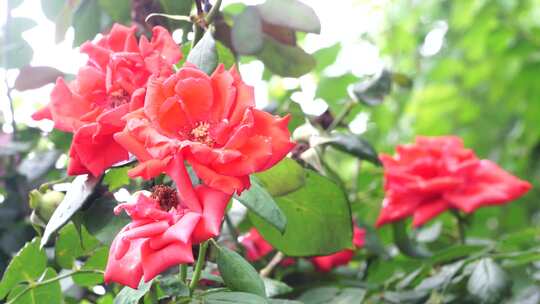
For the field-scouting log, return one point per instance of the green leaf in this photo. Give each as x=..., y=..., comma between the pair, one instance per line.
x=246, y=34
x=80, y=189
x=488, y=282
x=455, y=252
x=116, y=177
x=318, y=218
x=70, y=245
x=204, y=54
x=224, y=297
x=17, y=25
x=177, y=7
x=172, y=287
x=283, y=301
x=259, y=201
x=52, y=8
x=373, y=91
x=225, y=55
x=285, y=177
x=118, y=10
x=37, y=294
x=442, y=278
x=355, y=145
x=292, y=14
x=237, y=273
x=132, y=296
x=27, y=265
x=320, y=295
x=101, y=222
x=285, y=60
x=275, y=288
x=97, y=261
x=406, y=244
x=326, y=56
x=30, y=78
x=16, y=53
x=86, y=21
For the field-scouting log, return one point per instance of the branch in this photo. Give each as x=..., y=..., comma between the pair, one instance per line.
x=52, y=280
x=272, y=264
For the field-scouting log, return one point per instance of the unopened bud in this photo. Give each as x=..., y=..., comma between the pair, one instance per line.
x=45, y=203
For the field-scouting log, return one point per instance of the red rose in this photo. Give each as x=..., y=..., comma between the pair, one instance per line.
x=256, y=247
x=161, y=233
x=328, y=262
x=434, y=174
x=110, y=85
x=212, y=122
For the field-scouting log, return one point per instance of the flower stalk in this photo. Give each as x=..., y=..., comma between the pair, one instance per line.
x=198, y=267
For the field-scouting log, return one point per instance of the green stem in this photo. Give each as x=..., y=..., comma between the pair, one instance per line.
x=51, y=280
x=198, y=267
x=405, y=244
x=461, y=223
x=342, y=115
x=213, y=12
x=183, y=273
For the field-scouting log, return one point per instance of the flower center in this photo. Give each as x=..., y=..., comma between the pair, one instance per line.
x=166, y=197
x=118, y=98
x=201, y=133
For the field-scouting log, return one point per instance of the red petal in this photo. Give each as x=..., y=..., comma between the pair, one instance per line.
x=155, y=262
x=428, y=210
x=214, y=204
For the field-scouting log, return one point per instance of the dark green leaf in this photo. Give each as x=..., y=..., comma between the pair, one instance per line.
x=81, y=188
x=354, y=145
x=275, y=288
x=488, y=282
x=101, y=222
x=290, y=13
x=373, y=91
x=172, y=287
x=86, y=21
x=27, y=265
x=237, y=273
x=132, y=296
x=30, y=78
x=97, y=261
x=285, y=177
x=51, y=292
x=204, y=55
x=247, y=36
x=410, y=296
x=441, y=279
x=285, y=60
x=455, y=252
x=259, y=201
x=283, y=301
x=116, y=177
x=318, y=218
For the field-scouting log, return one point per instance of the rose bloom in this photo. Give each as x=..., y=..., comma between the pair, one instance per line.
x=110, y=85
x=341, y=258
x=257, y=248
x=434, y=174
x=161, y=233
x=211, y=122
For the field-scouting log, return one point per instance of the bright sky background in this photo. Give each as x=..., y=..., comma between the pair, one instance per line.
x=342, y=21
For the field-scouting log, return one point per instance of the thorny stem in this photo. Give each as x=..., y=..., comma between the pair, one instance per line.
x=272, y=264
x=51, y=280
x=198, y=267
